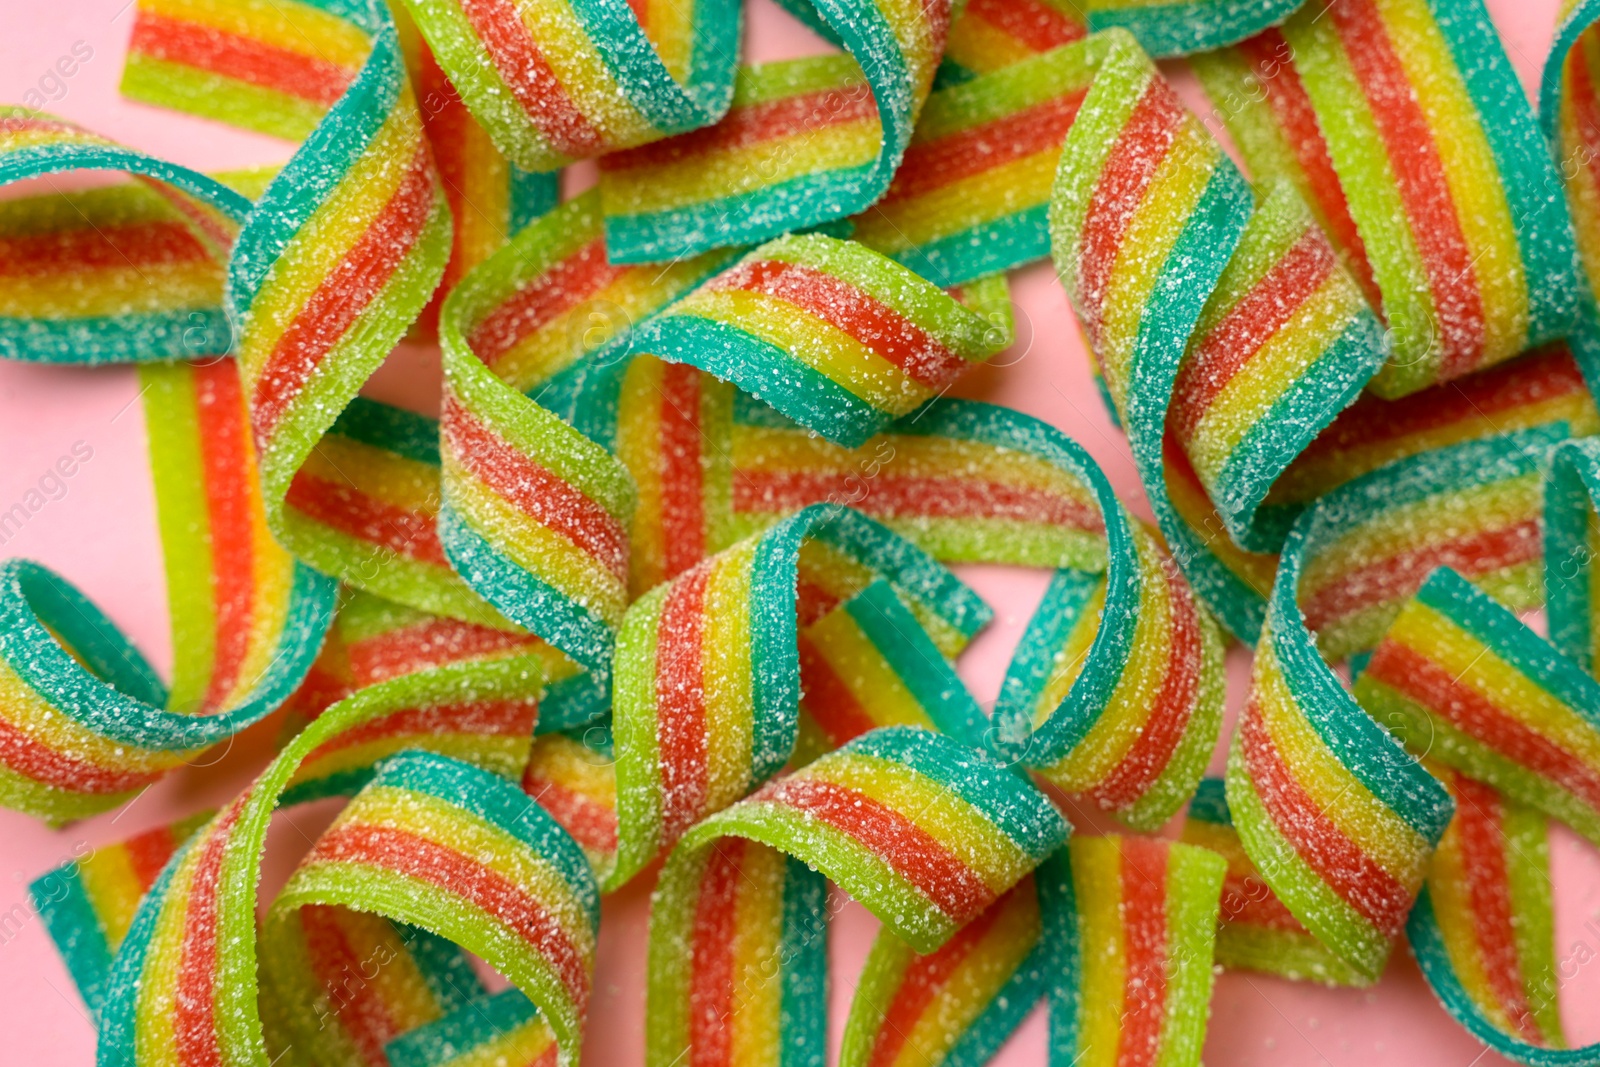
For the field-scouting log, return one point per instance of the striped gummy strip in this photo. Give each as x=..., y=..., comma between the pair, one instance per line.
x=1462, y=679
x=370, y=979
x=972, y=195
x=119, y=274
x=536, y=514
x=804, y=142
x=430, y=841
x=504, y=1028
x=1571, y=542
x=1255, y=932
x=926, y=833
x=246, y=623
x=88, y=903
x=1164, y=28
x=959, y=1003
x=570, y=81
x=1146, y=925
x=990, y=34
x=707, y=689
x=828, y=332
x=1350, y=871
x=1483, y=929
x=1233, y=318
x=1409, y=129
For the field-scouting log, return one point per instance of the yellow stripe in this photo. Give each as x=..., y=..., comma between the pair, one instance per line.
x=383, y=475
x=121, y=290
x=755, y=1015
x=856, y=661
x=293, y=27
x=726, y=673
x=582, y=73
x=1097, y=879
x=113, y=889
x=961, y=204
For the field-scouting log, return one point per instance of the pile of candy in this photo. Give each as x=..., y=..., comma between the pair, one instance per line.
x=666, y=581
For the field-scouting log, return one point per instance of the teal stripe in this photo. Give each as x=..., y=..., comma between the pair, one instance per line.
x=803, y=956
x=523, y=598
x=393, y=429
x=643, y=78
x=1013, y=240
x=469, y=1026
x=98, y=339
x=64, y=907
x=1169, y=30
x=1210, y=803
x=443, y=965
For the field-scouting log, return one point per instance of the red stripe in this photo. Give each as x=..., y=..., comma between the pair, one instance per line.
x=913, y=853
x=536, y=492
x=1143, y=143
x=827, y=699
x=892, y=495
x=361, y=1012
x=194, y=1021
x=62, y=770
x=465, y=877
x=149, y=852
x=1358, y=880
x=1402, y=574
x=1248, y=901
x=1481, y=832
x=345, y=508
x=932, y=165
x=127, y=246
x=344, y=295
x=752, y=124
x=562, y=287
x=1419, y=177
x=239, y=57
x=681, y=702
x=1151, y=752
x=1414, y=676
x=229, y=497
x=591, y=824
x=1272, y=57
x=522, y=66
x=1145, y=963
x=428, y=644
x=835, y=301
x=713, y=946
x=679, y=445
x=926, y=976
x=812, y=601
x=1545, y=374
x=1233, y=342
x=1037, y=26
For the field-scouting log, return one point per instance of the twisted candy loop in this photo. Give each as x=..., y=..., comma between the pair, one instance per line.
x=87, y=721
x=708, y=669
x=1209, y=321
x=1402, y=121
x=804, y=142
x=67, y=300
x=924, y=832
x=1349, y=871
x=184, y=988
x=1482, y=927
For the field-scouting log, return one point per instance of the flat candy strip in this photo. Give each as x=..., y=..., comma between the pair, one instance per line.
x=708, y=666
x=432, y=842
x=1350, y=871
x=1255, y=932
x=1436, y=159
x=557, y=82
x=804, y=142
x=1210, y=318
x=88, y=903
x=924, y=832
x=109, y=275
x=1483, y=930
x=972, y=195
x=958, y=1004
x=828, y=332
x=1147, y=917
x=88, y=723
x=1461, y=679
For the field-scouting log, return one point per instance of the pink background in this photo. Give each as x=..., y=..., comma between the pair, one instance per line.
x=101, y=535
